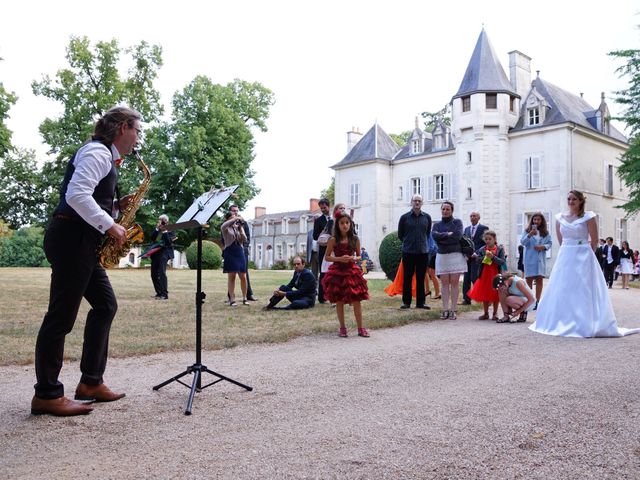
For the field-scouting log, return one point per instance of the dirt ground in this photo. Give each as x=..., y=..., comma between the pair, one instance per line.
x=442, y=399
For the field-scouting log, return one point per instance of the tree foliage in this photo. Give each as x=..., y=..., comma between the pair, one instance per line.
x=21, y=190
x=23, y=249
x=7, y=100
x=402, y=138
x=431, y=118
x=330, y=192
x=629, y=170
x=207, y=143
x=86, y=89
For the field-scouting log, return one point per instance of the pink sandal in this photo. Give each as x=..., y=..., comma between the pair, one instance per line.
x=343, y=332
x=362, y=332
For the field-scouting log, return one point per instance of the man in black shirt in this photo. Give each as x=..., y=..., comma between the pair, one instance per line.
x=413, y=231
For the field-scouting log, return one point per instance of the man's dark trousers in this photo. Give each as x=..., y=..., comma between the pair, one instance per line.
x=298, y=304
x=70, y=247
x=609, y=269
x=414, y=262
x=469, y=278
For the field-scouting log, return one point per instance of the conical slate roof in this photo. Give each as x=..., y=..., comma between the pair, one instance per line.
x=484, y=72
x=374, y=145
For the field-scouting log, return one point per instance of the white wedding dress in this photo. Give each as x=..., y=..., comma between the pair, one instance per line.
x=576, y=303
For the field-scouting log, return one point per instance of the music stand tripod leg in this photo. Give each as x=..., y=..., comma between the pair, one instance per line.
x=174, y=379
x=222, y=377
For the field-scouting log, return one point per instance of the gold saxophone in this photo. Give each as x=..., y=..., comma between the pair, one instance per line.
x=110, y=253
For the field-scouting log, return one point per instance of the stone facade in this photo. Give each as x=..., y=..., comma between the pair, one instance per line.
x=514, y=147
x=280, y=236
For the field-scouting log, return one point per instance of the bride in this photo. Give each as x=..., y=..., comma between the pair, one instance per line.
x=576, y=301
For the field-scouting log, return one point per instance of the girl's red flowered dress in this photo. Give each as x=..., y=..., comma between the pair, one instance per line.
x=344, y=282
x=482, y=290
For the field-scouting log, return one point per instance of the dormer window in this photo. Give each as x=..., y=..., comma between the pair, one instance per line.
x=536, y=109
x=466, y=104
x=415, y=146
x=491, y=101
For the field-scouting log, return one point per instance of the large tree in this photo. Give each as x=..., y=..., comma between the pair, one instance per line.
x=629, y=171
x=22, y=192
x=86, y=89
x=207, y=143
x=7, y=99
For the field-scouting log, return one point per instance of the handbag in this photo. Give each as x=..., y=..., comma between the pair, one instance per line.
x=466, y=245
x=324, y=237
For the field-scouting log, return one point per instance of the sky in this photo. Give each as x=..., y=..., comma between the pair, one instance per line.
x=332, y=65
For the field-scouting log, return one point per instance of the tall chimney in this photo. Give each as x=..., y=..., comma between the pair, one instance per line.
x=353, y=137
x=520, y=72
x=313, y=204
x=260, y=211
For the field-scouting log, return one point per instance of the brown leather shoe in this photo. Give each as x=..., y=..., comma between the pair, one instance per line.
x=97, y=393
x=61, y=407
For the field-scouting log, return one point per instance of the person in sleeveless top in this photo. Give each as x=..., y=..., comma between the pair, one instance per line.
x=576, y=301
x=344, y=282
x=84, y=215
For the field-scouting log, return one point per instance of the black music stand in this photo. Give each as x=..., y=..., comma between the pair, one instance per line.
x=197, y=216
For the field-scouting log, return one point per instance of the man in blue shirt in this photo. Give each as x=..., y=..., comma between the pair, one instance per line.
x=413, y=231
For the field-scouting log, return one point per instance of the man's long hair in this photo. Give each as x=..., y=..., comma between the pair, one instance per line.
x=108, y=126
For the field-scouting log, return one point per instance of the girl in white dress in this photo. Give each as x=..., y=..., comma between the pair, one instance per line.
x=576, y=301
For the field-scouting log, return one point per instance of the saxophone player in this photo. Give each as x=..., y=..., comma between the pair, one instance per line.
x=88, y=204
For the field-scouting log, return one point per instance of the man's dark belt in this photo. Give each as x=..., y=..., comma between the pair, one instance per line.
x=61, y=216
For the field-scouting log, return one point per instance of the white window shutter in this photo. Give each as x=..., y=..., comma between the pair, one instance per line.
x=422, y=185
x=535, y=172
x=407, y=190
x=445, y=186
x=618, y=232
x=540, y=171
x=519, y=224
x=527, y=173
x=605, y=177
x=453, y=190
x=430, y=188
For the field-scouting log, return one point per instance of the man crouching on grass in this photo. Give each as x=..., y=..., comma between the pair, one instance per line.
x=301, y=290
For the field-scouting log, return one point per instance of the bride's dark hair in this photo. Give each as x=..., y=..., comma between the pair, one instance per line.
x=582, y=199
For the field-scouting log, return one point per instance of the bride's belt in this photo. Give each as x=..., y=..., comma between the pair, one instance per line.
x=574, y=242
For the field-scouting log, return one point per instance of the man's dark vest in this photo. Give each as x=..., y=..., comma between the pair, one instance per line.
x=103, y=194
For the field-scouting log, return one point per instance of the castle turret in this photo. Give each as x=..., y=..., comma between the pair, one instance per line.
x=483, y=110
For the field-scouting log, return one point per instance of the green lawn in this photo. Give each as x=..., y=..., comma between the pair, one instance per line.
x=144, y=325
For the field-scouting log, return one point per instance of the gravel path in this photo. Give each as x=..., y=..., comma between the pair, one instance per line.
x=442, y=399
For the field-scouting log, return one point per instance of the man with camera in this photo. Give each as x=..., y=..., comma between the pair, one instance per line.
x=162, y=252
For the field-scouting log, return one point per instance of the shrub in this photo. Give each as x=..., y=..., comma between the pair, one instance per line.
x=390, y=254
x=23, y=249
x=279, y=265
x=211, y=255
x=252, y=265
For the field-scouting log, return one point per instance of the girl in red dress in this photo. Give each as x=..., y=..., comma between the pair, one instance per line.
x=491, y=259
x=344, y=282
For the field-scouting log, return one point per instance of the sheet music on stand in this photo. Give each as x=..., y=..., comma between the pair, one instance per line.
x=203, y=208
